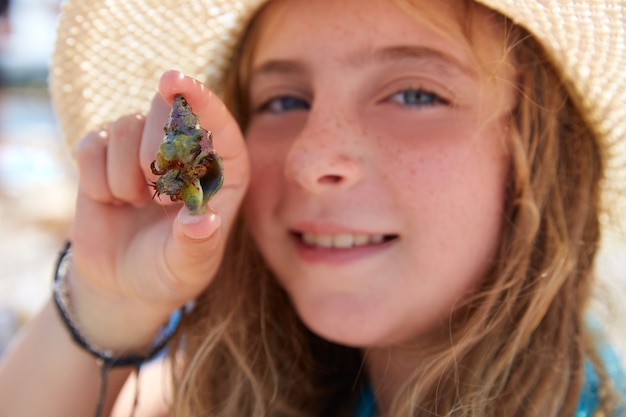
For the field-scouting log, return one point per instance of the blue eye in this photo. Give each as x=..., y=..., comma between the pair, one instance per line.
x=417, y=97
x=283, y=104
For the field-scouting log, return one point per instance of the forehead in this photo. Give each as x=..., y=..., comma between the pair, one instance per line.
x=471, y=32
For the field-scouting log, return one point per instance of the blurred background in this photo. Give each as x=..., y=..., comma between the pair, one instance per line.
x=38, y=178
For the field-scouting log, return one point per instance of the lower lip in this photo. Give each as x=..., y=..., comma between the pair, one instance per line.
x=316, y=254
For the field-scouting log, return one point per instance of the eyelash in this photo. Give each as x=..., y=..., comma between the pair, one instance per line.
x=270, y=105
x=424, y=99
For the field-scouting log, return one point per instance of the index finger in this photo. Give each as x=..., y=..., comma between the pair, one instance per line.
x=214, y=115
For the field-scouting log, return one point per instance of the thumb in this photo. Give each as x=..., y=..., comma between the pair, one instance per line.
x=196, y=247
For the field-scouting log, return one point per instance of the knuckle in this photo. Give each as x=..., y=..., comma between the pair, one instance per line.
x=91, y=146
x=95, y=188
x=131, y=192
x=127, y=126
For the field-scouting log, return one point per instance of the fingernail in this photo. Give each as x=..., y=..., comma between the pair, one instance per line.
x=199, y=226
x=185, y=217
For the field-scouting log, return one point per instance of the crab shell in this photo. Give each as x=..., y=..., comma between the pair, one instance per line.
x=190, y=170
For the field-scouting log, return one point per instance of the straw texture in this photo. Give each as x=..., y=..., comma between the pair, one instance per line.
x=109, y=54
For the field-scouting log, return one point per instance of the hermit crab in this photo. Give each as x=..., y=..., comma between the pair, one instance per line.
x=189, y=168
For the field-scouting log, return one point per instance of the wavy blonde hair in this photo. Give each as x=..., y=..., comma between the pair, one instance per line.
x=516, y=348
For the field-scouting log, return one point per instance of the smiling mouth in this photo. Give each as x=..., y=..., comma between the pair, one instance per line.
x=342, y=240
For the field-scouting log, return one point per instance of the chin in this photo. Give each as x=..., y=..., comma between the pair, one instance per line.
x=342, y=325
x=366, y=325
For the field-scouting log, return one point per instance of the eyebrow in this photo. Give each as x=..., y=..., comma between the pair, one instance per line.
x=426, y=56
x=279, y=67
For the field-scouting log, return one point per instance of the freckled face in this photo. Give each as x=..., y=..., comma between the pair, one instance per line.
x=378, y=162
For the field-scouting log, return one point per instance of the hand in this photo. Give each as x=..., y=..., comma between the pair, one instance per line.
x=139, y=257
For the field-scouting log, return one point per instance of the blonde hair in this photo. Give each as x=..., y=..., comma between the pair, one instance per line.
x=516, y=348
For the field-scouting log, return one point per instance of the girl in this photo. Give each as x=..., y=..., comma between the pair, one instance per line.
x=420, y=221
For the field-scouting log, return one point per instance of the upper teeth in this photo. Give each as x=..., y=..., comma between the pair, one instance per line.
x=341, y=240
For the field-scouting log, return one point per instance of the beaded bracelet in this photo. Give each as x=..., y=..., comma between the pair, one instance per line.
x=104, y=358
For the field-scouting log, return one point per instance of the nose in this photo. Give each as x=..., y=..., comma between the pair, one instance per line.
x=327, y=154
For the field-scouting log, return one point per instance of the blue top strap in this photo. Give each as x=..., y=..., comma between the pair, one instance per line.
x=587, y=404
x=366, y=403
x=589, y=396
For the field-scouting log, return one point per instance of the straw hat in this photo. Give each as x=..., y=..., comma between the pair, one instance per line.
x=110, y=53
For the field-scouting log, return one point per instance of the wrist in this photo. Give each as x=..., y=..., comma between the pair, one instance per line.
x=108, y=325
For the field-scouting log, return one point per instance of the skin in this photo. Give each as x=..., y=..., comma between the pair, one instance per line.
x=339, y=149
x=357, y=160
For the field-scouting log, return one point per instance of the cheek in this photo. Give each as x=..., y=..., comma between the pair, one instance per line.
x=458, y=166
x=454, y=196
x=267, y=167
